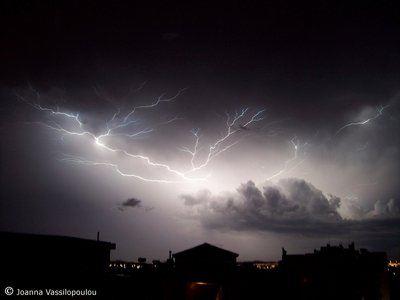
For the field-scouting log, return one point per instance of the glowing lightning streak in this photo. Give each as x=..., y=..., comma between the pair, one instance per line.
x=378, y=114
x=59, y=113
x=108, y=133
x=146, y=159
x=196, y=146
x=126, y=124
x=38, y=106
x=289, y=161
x=82, y=161
x=215, y=149
x=159, y=100
x=98, y=142
x=115, y=123
x=148, y=130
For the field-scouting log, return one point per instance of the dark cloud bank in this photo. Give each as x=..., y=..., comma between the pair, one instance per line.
x=292, y=207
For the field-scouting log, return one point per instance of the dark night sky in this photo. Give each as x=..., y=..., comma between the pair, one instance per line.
x=319, y=162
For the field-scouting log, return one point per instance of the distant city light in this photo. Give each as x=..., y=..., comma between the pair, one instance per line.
x=394, y=264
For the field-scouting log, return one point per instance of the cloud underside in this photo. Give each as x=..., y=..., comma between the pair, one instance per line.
x=292, y=206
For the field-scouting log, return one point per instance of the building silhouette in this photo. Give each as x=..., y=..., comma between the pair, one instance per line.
x=336, y=272
x=205, y=260
x=32, y=256
x=204, y=272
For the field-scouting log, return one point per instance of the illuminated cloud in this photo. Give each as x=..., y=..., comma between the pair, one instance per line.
x=291, y=206
x=388, y=207
x=201, y=197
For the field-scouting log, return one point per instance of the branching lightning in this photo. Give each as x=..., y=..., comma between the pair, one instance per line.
x=154, y=104
x=83, y=161
x=111, y=126
x=364, y=122
x=225, y=142
x=70, y=124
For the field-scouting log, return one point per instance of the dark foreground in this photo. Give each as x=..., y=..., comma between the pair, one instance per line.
x=171, y=284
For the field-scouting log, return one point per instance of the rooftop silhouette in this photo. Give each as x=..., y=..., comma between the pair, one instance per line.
x=33, y=255
x=204, y=272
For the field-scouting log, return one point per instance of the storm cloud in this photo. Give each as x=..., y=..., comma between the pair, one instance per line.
x=291, y=206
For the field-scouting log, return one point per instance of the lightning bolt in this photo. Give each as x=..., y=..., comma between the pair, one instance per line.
x=154, y=104
x=378, y=114
x=112, y=125
x=117, y=125
x=83, y=161
x=293, y=162
x=225, y=142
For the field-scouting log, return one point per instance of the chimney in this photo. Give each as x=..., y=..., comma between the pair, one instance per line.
x=98, y=235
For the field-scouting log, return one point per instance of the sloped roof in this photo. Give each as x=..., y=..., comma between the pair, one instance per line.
x=206, y=250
